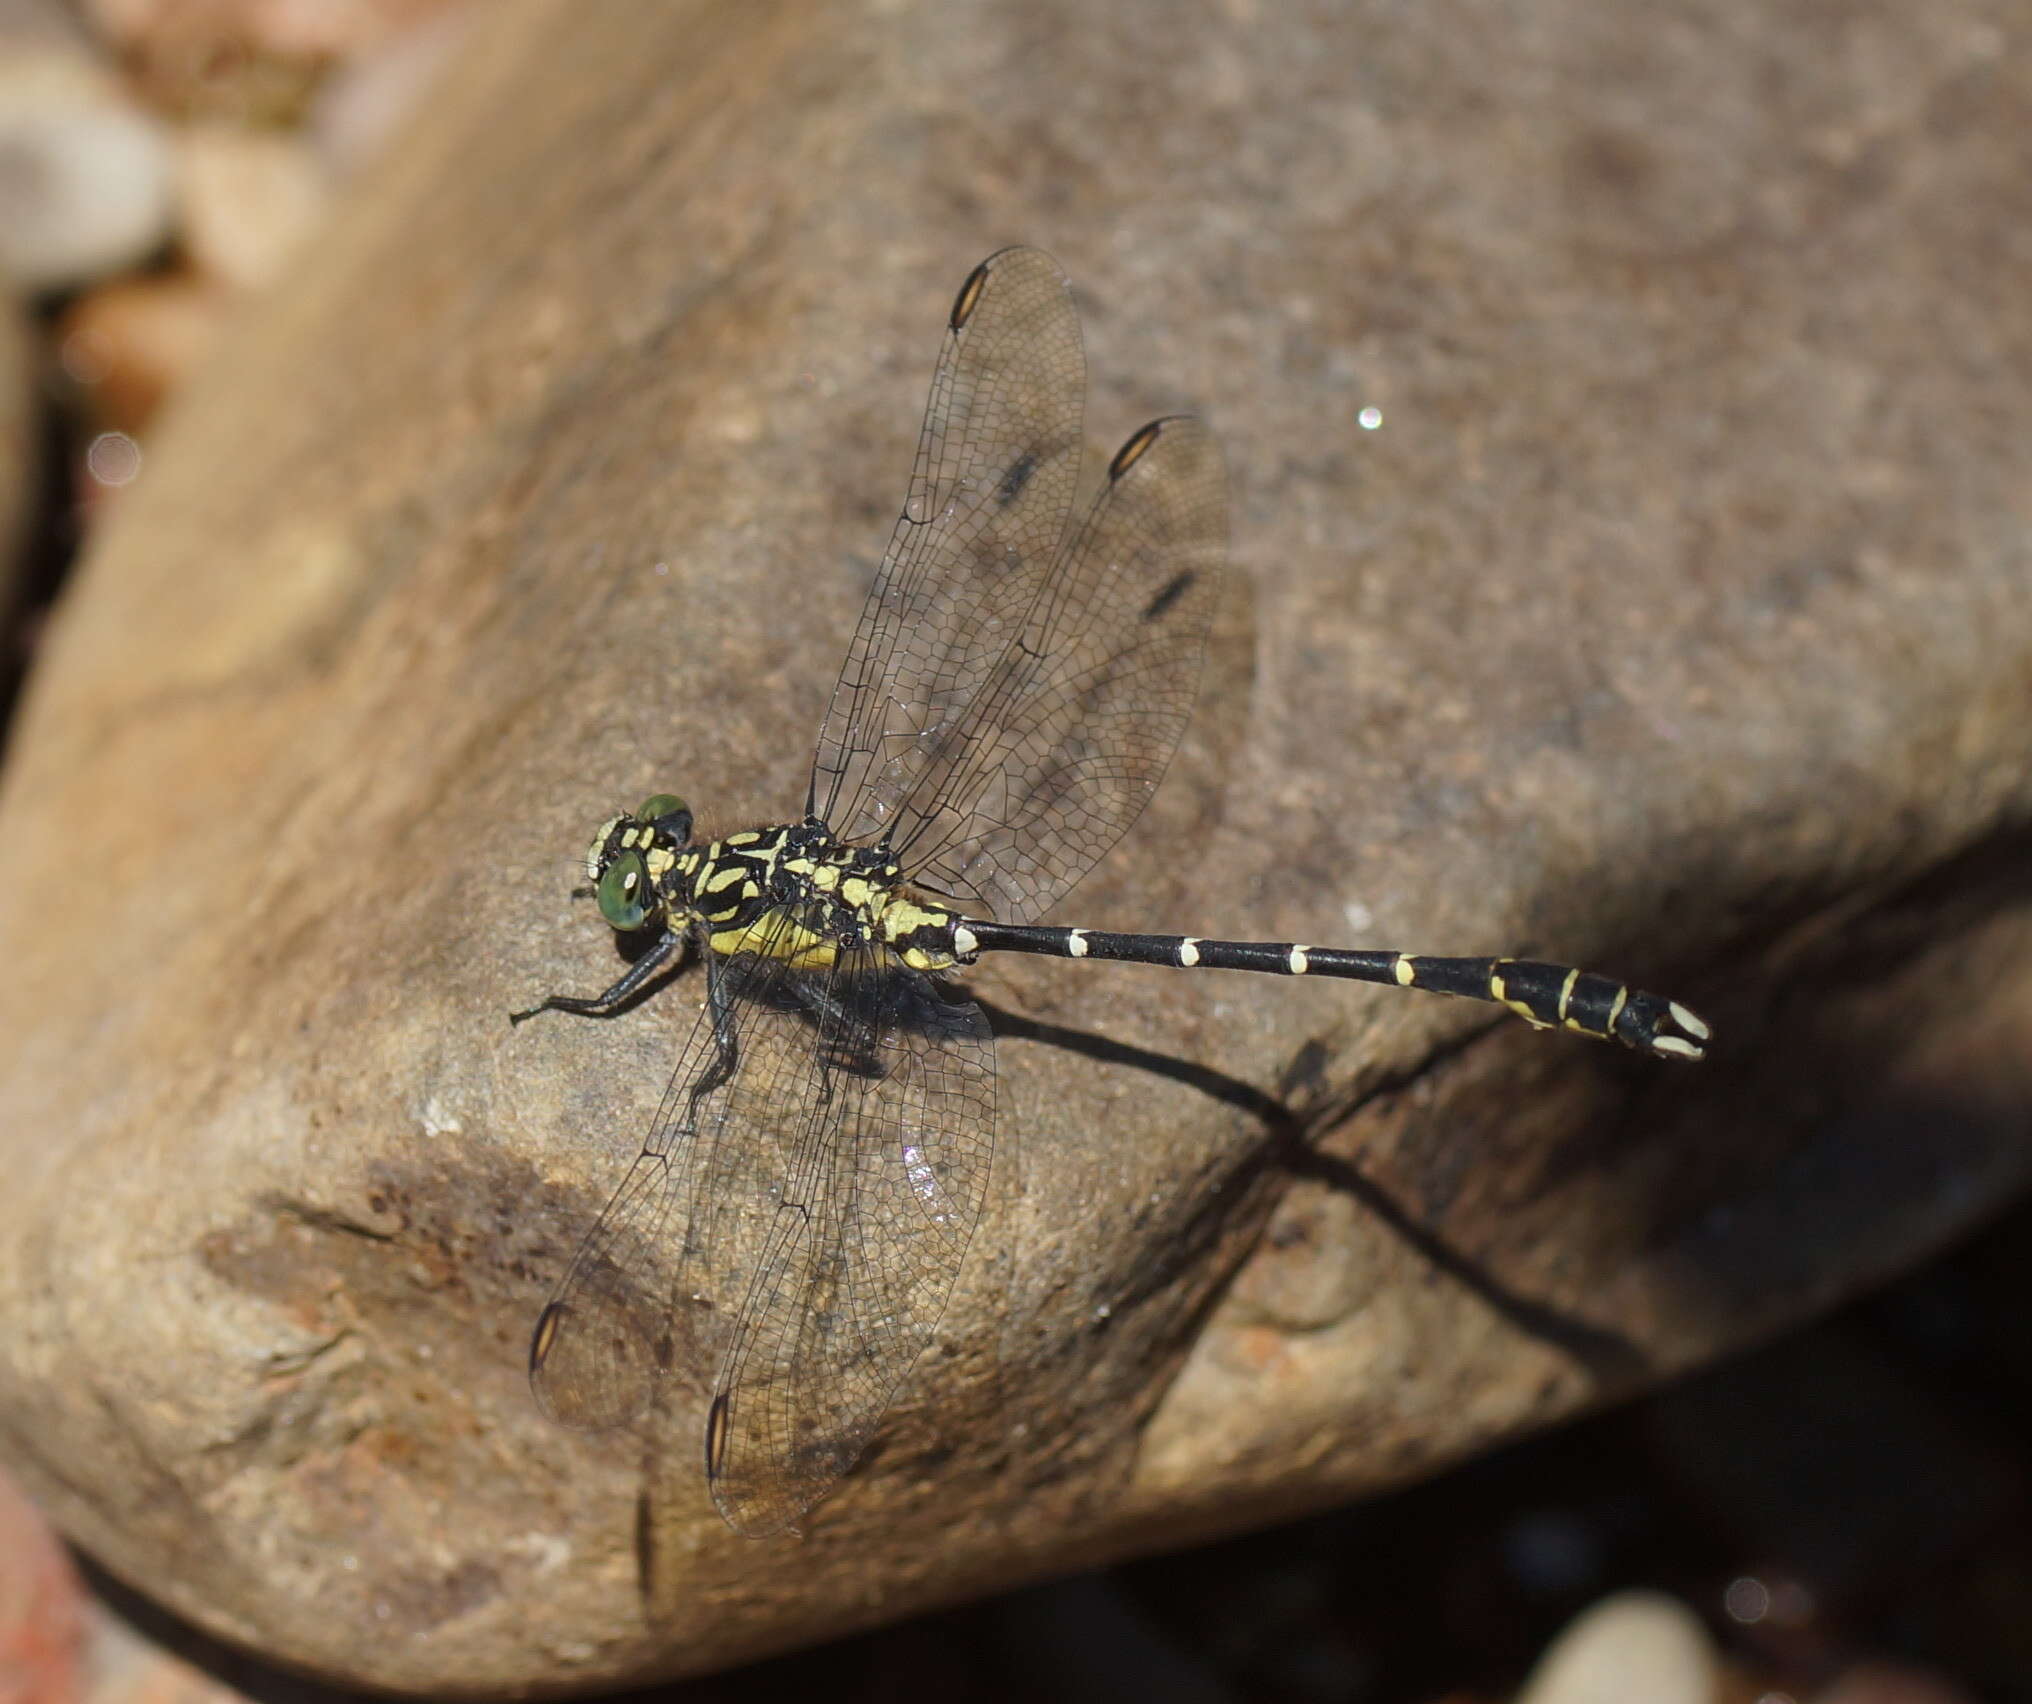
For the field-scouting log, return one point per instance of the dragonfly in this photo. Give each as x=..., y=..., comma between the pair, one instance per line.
x=1023, y=669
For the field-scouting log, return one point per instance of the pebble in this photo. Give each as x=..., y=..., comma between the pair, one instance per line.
x=127, y=345
x=84, y=174
x=248, y=199
x=1892, y=1683
x=42, y=1607
x=1634, y=1645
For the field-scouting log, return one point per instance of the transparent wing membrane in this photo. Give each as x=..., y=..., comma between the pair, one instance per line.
x=874, y=1202
x=796, y=1219
x=1076, y=722
x=1018, y=684
x=636, y=1284
x=997, y=463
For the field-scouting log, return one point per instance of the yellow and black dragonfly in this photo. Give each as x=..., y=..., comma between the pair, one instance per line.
x=1020, y=677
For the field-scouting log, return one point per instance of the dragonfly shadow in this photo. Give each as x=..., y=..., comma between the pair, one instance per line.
x=1285, y=1147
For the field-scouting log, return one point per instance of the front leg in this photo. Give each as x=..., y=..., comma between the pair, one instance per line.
x=604, y=1005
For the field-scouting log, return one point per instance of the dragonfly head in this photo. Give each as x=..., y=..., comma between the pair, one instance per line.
x=631, y=854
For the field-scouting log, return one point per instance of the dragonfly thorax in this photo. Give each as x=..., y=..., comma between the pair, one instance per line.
x=796, y=892
x=791, y=891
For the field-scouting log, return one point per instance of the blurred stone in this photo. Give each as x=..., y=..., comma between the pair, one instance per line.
x=366, y=101
x=130, y=1669
x=84, y=174
x=252, y=62
x=135, y=1654
x=1892, y=1683
x=296, y=29
x=247, y=200
x=1635, y=1645
x=41, y=25
x=42, y=1608
x=128, y=345
x=1660, y=625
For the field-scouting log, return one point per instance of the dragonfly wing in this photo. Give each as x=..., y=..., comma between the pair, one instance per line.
x=1018, y=684
x=1077, y=723
x=997, y=464
x=608, y=1330
x=882, y=1184
x=792, y=1227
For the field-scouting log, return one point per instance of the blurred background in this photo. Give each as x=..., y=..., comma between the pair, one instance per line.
x=1839, y=1516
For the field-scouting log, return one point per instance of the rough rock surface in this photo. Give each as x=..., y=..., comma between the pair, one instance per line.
x=1674, y=621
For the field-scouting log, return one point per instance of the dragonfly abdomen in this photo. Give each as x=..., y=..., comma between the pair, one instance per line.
x=1547, y=996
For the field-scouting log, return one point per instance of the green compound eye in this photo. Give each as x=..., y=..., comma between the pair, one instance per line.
x=660, y=805
x=624, y=892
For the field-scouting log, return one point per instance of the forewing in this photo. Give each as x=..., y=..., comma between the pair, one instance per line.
x=1071, y=730
x=997, y=465
x=871, y=1221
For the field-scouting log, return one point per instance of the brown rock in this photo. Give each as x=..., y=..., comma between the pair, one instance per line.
x=332, y=29
x=1891, y=1683
x=129, y=344
x=1672, y=620
x=42, y=1619
x=250, y=61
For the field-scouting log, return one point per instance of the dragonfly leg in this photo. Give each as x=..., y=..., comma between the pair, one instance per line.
x=604, y=1005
